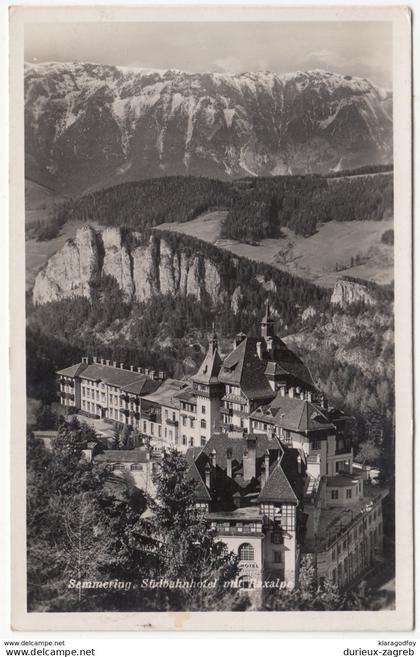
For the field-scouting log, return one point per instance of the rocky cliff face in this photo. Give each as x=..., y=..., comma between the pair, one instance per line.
x=140, y=271
x=88, y=124
x=348, y=292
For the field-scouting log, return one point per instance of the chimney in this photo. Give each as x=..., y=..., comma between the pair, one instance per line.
x=282, y=391
x=140, y=369
x=259, y=349
x=267, y=464
x=299, y=464
x=229, y=462
x=95, y=359
x=85, y=360
x=102, y=361
x=108, y=362
x=121, y=366
x=114, y=364
x=270, y=344
x=152, y=374
x=131, y=368
x=302, y=395
x=291, y=392
x=161, y=375
x=263, y=475
x=207, y=475
x=213, y=458
x=309, y=396
x=250, y=455
x=146, y=371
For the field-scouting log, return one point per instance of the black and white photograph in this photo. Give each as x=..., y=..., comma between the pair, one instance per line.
x=209, y=316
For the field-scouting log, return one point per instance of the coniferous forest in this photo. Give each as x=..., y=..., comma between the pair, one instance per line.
x=256, y=207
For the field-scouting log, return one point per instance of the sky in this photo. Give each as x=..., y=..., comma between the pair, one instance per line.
x=362, y=49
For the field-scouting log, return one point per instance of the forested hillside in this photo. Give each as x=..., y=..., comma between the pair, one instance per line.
x=257, y=207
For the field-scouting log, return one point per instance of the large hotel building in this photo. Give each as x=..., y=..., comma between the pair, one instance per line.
x=272, y=460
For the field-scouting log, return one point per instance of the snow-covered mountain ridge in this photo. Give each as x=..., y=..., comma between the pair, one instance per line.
x=94, y=125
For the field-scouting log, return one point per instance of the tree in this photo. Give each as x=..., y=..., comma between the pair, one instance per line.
x=124, y=438
x=368, y=452
x=189, y=550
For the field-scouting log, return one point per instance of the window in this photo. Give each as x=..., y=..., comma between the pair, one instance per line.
x=333, y=555
x=348, y=493
x=152, y=429
x=203, y=440
x=276, y=556
x=203, y=424
x=191, y=423
x=136, y=466
x=277, y=538
x=246, y=552
x=184, y=421
x=144, y=426
x=159, y=431
x=334, y=494
x=191, y=441
x=203, y=410
x=184, y=440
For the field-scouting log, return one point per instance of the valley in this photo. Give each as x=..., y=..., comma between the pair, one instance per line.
x=351, y=248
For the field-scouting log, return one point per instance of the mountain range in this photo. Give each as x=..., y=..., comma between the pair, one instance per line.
x=89, y=125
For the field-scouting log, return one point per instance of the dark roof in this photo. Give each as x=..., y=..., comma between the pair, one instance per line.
x=288, y=363
x=243, y=367
x=73, y=370
x=123, y=456
x=188, y=395
x=210, y=367
x=142, y=386
x=166, y=393
x=225, y=491
x=114, y=376
x=293, y=413
x=201, y=491
x=277, y=488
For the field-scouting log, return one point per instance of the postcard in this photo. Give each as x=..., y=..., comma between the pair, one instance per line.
x=211, y=353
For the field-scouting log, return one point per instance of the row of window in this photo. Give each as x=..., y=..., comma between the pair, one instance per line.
x=353, y=536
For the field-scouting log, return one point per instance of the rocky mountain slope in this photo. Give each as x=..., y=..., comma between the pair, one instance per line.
x=348, y=292
x=140, y=270
x=90, y=125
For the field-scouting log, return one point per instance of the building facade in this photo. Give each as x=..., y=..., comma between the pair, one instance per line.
x=273, y=461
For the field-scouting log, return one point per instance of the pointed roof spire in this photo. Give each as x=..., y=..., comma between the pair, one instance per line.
x=267, y=323
x=267, y=315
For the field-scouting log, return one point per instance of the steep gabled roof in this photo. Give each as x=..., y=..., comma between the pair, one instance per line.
x=286, y=361
x=277, y=488
x=210, y=367
x=243, y=367
x=226, y=491
x=201, y=491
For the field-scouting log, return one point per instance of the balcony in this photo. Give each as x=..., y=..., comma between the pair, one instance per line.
x=236, y=399
x=226, y=411
x=171, y=422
